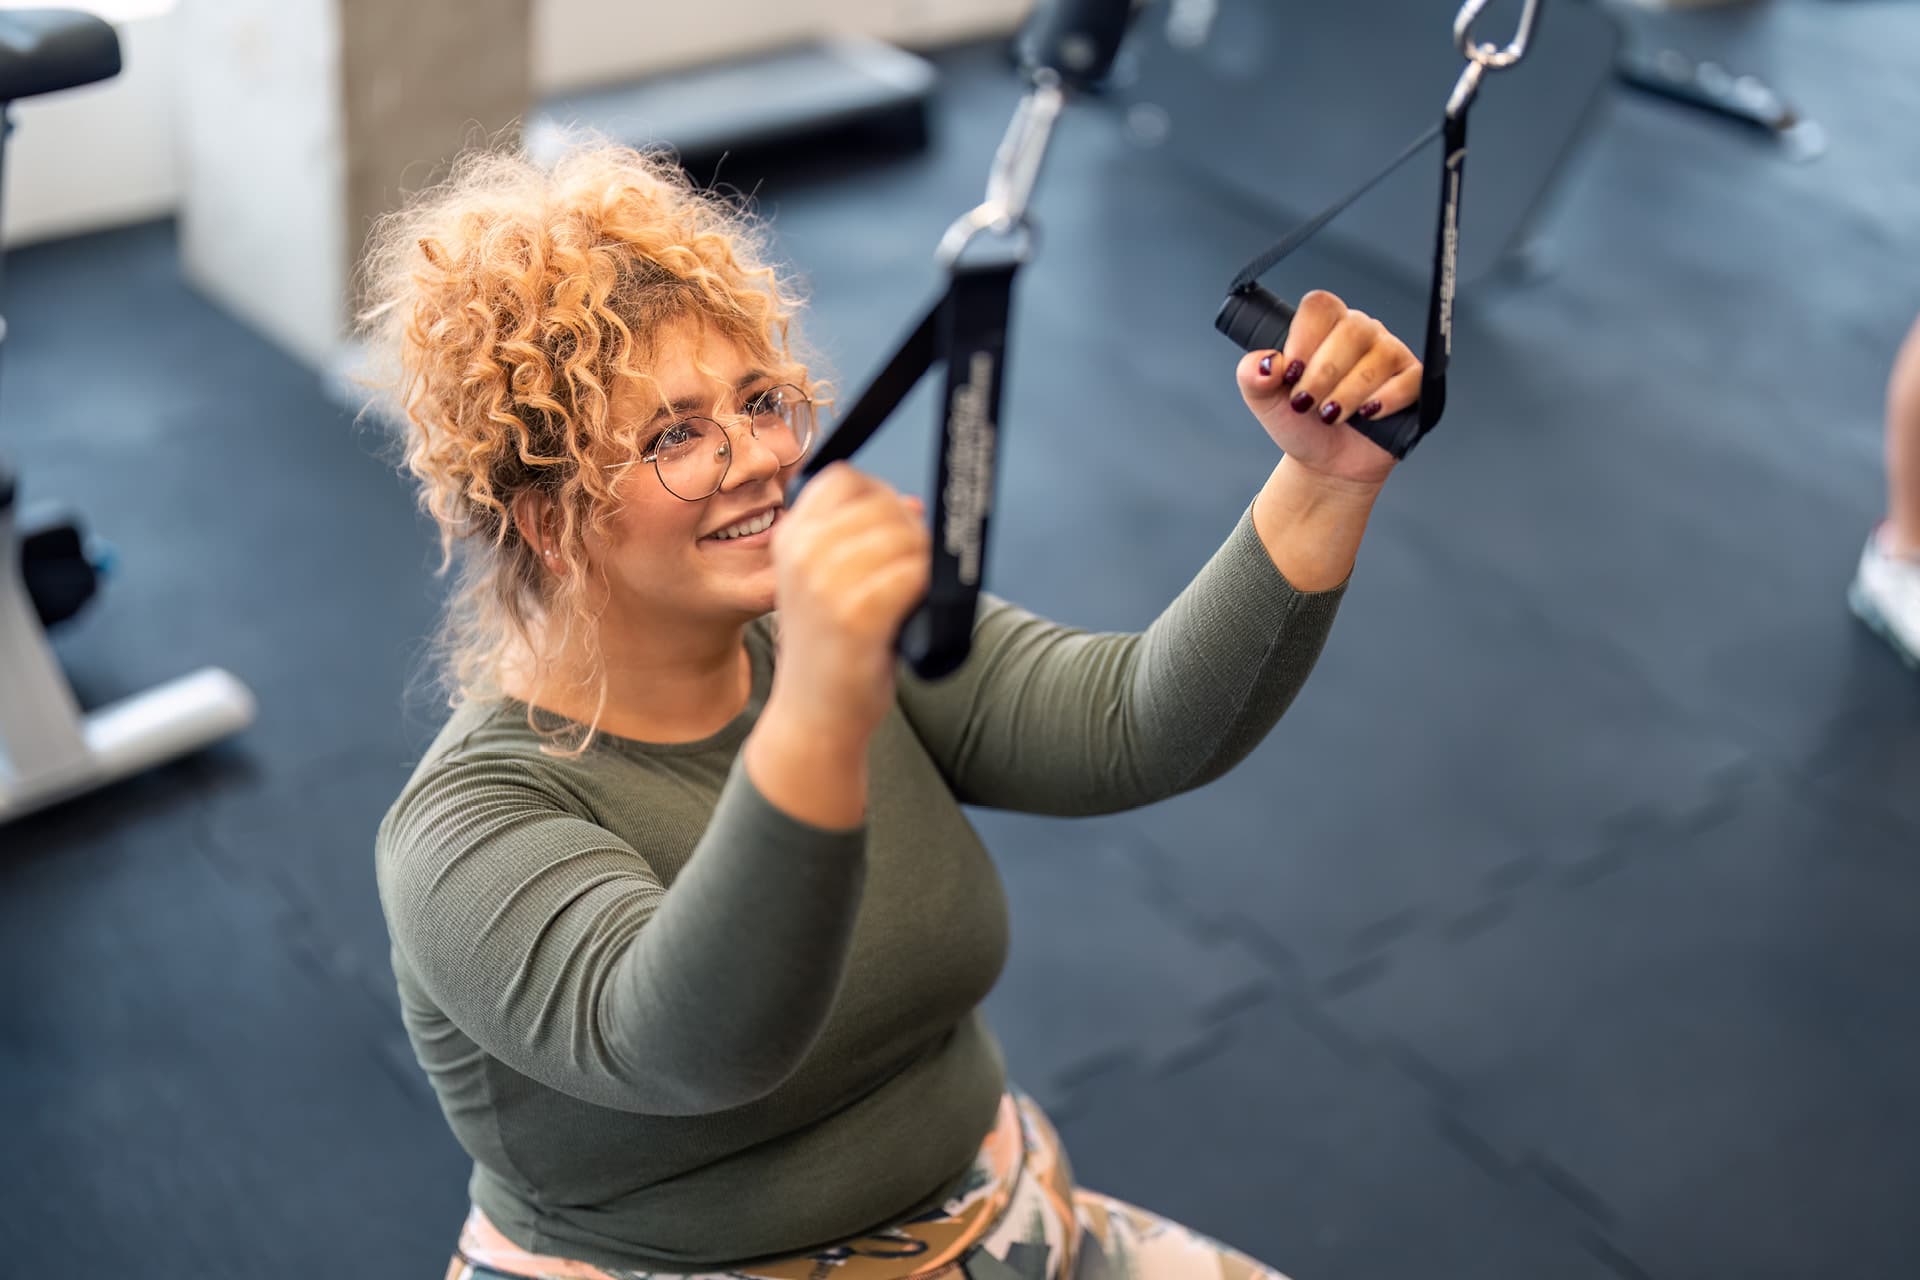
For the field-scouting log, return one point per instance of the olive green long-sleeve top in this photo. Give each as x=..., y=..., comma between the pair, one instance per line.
x=676, y=1028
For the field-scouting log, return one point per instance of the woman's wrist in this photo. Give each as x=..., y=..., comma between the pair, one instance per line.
x=811, y=765
x=1311, y=523
x=1302, y=480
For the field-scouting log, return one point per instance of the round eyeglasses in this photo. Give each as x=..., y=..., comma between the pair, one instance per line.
x=691, y=457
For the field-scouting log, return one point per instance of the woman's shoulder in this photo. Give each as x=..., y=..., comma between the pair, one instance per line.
x=481, y=732
x=480, y=725
x=486, y=752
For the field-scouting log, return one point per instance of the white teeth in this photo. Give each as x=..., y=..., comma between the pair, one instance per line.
x=747, y=528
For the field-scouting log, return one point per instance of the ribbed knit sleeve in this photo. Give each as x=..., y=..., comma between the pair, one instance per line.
x=1045, y=718
x=552, y=943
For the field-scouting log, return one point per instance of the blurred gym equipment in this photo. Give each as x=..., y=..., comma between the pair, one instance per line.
x=837, y=86
x=50, y=749
x=1219, y=84
x=59, y=566
x=1657, y=64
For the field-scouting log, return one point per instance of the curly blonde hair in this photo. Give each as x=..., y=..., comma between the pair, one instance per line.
x=504, y=305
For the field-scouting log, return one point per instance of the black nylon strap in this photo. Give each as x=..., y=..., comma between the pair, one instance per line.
x=974, y=345
x=1311, y=227
x=967, y=330
x=883, y=395
x=1446, y=270
x=1257, y=319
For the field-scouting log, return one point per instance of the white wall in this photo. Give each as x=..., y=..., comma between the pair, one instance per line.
x=101, y=155
x=256, y=133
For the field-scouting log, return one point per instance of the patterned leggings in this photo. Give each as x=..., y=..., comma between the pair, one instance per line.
x=1017, y=1217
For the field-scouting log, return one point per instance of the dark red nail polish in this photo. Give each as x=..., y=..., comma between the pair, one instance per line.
x=1301, y=402
x=1367, y=410
x=1295, y=371
x=1330, y=412
x=1266, y=366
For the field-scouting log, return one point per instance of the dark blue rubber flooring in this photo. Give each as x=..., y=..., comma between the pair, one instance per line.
x=1565, y=928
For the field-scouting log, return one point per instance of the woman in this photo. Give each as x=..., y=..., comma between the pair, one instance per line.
x=689, y=928
x=1885, y=593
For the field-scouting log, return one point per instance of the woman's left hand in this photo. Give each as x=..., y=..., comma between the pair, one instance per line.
x=1338, y=364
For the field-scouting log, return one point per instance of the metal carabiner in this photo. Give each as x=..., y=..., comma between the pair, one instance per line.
x=1482, y=58
x=1016, y=170
x=1485, y=54
x=1016, y=165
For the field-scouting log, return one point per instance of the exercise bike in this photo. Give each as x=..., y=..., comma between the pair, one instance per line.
x=50, y=750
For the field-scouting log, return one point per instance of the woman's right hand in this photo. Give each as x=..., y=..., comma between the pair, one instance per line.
x=851, y=560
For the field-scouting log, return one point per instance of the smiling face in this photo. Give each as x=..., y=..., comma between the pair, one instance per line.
x=663, y=557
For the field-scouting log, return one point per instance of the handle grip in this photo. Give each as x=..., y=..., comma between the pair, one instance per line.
x=1257, y=320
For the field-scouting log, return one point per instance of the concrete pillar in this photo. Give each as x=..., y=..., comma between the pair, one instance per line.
x=303, y=120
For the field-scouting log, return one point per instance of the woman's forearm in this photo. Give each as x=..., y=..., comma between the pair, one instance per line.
x=1046, y=718
x=1311, y=525
x=815, y=773
x=723, y=993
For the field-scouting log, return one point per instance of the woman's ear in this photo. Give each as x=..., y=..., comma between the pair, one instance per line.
x=534, y=517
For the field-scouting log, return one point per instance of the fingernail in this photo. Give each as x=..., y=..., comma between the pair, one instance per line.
x=1330, y=412
x=1295, y=371
x=1367, y=410
x=1301, y=402
x=1266, y=366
